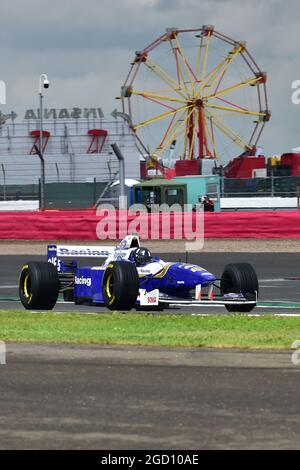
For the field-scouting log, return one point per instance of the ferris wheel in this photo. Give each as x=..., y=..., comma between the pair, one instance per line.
x=199, y=89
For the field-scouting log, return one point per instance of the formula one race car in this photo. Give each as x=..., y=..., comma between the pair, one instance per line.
x=131, y=277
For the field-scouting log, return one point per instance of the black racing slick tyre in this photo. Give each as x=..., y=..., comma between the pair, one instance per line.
x=38, y=286
x=120, y=285
x=240, y=278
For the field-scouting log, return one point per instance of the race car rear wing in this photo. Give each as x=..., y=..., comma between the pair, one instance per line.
x=96, y=251
x=57, y=253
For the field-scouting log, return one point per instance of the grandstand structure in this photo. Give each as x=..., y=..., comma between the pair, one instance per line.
x=76, y=150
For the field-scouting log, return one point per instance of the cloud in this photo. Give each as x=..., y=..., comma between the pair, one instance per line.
x=86, y=49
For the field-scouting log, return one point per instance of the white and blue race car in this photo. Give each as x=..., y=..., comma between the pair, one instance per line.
x=131, y=277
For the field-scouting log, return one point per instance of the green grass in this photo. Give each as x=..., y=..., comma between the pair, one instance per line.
x=232, y=331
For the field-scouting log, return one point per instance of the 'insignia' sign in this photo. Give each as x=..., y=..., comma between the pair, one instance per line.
x=65, y=113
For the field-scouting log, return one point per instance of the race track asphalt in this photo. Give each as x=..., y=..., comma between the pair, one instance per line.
x=97, y=397
x=100, y=397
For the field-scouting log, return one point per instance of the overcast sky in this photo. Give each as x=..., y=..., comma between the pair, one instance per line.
x=85, y=47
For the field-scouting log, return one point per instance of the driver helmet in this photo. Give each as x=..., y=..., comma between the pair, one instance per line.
x=141, y=256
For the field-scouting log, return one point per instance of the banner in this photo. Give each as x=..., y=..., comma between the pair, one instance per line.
x=84, y=225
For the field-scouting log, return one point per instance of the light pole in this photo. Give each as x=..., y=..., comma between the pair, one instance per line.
x=122, y=193
x=43, y=83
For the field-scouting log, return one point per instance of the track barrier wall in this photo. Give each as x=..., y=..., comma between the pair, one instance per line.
x=82, y=225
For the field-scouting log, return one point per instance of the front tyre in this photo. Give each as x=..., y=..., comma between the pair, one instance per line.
x=38, y=286
x=120, y=285
x=240, y=278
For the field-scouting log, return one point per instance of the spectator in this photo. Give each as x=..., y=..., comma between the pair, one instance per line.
x=19, y=195
x=208, y=204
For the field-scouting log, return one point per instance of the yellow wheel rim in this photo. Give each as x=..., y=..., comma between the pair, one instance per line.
x=25, y=286
x=107, y=285
x=26, y=289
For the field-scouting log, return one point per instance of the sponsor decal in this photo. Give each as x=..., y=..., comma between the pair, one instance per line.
x=85, y=281
x=119, y=255
x=191, y=267
x=123, y=244
x=56, y=262
x=149, y=298
x=233, y=295
x=197, y=269
x=65, y=251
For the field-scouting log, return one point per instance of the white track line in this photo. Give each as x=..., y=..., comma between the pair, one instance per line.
x=250, y=314
x=9, y=286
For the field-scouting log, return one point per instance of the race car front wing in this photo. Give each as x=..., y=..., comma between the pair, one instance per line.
x=156, y=298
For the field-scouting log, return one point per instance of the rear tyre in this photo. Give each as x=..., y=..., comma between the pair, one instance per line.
x=240, y=278
x=38, y=286
x=120, y=285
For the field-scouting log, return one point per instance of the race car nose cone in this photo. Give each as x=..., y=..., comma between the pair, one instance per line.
x=206, y=279
x=192, y=275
